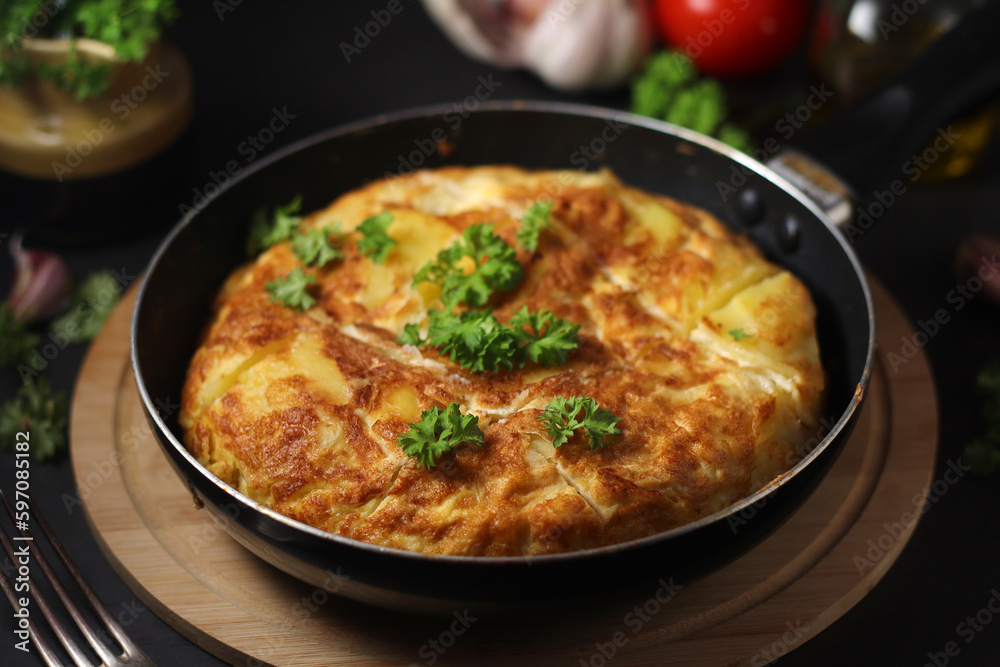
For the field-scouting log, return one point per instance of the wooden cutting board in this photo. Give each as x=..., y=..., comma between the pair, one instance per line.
x=814, y=568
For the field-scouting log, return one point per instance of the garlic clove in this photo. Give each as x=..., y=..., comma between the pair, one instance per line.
x=977, y=258
x=572, y=45
x=42, y=283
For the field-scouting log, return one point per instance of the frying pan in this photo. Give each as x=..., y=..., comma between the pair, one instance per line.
x=790, y=227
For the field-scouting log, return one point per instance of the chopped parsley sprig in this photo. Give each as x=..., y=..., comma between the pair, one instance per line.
x=375, y=241
x=41, y=412
x=563, y=416
x=292, y=289
x=476, y=340
x=267, y=230
x=493, y=266
x=535, y=221
x=440, y=431
x=314, y=248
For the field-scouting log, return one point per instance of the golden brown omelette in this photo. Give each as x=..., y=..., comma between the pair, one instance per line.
x=705, y=351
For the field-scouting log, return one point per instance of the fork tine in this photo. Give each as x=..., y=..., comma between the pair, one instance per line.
x=132, y=654
x=43, y=648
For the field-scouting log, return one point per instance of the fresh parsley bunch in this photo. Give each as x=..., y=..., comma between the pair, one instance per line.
x=476, y=340
x=439, y=431
x=128, y=26
x=563, y=416
x=493, y=266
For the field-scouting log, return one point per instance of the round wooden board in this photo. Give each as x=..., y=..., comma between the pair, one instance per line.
x=824, y=559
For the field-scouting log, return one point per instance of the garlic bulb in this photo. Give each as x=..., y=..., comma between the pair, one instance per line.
x=572, y=45
x=42, y=283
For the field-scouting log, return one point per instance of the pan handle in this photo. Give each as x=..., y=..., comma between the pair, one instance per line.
x=878, y=141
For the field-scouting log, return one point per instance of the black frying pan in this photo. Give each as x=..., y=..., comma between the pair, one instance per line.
x=793, y=231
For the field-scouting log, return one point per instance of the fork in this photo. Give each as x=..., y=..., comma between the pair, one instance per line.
x=131, y=654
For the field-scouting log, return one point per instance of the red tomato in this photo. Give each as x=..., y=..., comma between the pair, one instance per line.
x=730, y=38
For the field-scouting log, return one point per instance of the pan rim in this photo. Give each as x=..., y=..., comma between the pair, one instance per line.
x=564, y=108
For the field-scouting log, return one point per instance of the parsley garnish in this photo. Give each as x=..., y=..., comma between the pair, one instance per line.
x=476, y=340
x=439, y=431
x=16, y=341
x=374, y=241
x=983, y=453
x=493, y=266
x=291, y=289
x=314, y=247
x=535, y=221
x=265, y=231
x=36, y=410
x=546, y=339
x=562, y=418
x=739, y=334
x=91, y=307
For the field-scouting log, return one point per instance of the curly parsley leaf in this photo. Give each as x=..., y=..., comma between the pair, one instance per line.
x=983, y=453
x=739, y=334
x=470, y=270
x=563, y=416
x=16, y=341
x=535, y=221
x=41, y=413
x=90, y=308
x=477, y=341
x=267, y=230
x=375, y=242
x=440, y=431
x=292, y=290
x=314, y=248
x=546, y=339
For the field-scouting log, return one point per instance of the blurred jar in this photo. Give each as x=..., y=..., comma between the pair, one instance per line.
x=858, y=45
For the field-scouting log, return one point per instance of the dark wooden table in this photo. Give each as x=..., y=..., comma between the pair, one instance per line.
x=251, y=60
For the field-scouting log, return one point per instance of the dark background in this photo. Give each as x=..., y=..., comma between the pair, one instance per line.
x=259, y=57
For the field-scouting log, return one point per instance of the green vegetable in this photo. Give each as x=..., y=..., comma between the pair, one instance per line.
x=41, y=413
x=16, y=341
x=90, y=308
x=562, y=417
x=494, y=266
x=739, y=334
x=128, y=26
x=535, y=221
x=267, y=230
x=983, y=453
x=314, y=247
x=292, y=291
x=670, y=89
x=544, y=338
x=440, y=431
x=374, y=241
x=476, y=340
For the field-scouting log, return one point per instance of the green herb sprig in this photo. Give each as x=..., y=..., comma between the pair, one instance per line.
x=439, y=431
x=375, y=241
x=39, y=411
x=268, y=229
x=477, y=341
x=494, y=267
x=535, y=221
x=563, y=416
x=292, y=289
